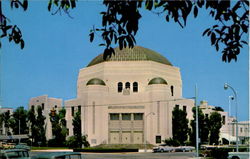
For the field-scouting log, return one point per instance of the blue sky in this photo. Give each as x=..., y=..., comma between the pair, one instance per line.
x=56, y=47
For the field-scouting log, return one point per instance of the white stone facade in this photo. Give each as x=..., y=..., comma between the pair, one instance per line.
x=111, y=116
x=47, y=104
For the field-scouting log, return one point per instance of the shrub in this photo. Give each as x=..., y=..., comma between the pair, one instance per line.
x=74, y=142
x=172, y=142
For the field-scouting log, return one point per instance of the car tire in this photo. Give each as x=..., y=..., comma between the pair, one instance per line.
x=235, y=157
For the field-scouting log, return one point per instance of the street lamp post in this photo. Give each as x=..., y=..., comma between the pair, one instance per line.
x=145, y=131
x=226, y=86
x=197, y=123
x=229, y=114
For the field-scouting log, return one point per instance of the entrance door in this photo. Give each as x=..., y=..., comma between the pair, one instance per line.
x=126, y=137
x=114, y=137
x=138, y=137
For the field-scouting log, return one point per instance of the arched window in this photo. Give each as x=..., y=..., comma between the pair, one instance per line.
x=135, y=87
x=127, y=85
x=172, y=90
x=119, y=86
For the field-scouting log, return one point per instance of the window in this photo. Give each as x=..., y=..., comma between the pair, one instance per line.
x=223, y=119
x=55, y=106
x=79, y=109
x=119, y=85
x=126, y=116
x=42, y=106
x=241, y=130
x=127, y=85
x=138, y=116
x=158, y=139
x=135, y=87
x=172, y=90
x=72, y=111
x=114, y=116
x=184, y=108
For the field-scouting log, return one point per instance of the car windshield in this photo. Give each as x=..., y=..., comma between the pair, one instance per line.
x=69, y=157
x=17, y=154
x=163, y=145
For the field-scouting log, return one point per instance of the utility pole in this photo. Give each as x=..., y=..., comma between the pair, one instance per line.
x=197, y=124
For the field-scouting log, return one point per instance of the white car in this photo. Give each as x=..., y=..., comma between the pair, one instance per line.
x=238, y=155
x=163, y=148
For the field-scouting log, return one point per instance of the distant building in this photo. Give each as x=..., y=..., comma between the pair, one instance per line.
x=128, y=99
x=243, y=131
x=3, y=130
x=47, y=104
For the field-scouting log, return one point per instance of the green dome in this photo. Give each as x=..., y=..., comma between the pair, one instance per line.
x=137, y=53
x=96, y=81
x=157, y=80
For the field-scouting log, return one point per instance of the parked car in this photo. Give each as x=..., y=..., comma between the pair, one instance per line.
x=14, y=153
x=238, y=155
x=184, y=148
x=60, y=155
x=163, y=148
x=22, y=146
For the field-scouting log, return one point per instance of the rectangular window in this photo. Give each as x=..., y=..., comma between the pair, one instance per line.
x=79, y=109
x=138, y=116
x=184, y=108
x=158, y=139
x=42, y=106
x=223, y=120
x=72, y=111
x=114, y=116
x=55, y=106
x=241, y=130
x=126, y=116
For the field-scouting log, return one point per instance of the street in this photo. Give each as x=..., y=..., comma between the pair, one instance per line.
x=136, y=155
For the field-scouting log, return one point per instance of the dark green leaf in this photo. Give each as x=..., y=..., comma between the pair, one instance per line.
x=49, y=5
x=149, y=4
x=244, y=42
x=213, y=38
x=195, y=11
x=25, y=4
x=22, y=44
x=101, y=44
x=16, y=5
x=204, y=33
x=167, y=18
x=91, y=36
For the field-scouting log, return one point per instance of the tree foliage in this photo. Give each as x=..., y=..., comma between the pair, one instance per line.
x=19, y=115
x=121, y=18
x=120, y=21
x=215, y=125
x=203, y=127
x=37, y=126
x=6, y=121
x=77, y=140
x=59, y=129
x=179, y=125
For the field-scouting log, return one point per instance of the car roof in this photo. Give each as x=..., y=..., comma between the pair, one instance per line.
x=12, y=150
x=57, y=154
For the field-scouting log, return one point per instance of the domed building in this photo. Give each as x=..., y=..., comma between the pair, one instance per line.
x=128, y=98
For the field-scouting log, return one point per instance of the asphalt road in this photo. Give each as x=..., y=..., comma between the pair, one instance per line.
x=171, y=155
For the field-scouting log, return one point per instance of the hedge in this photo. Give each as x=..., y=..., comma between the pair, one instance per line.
x=105, y=150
